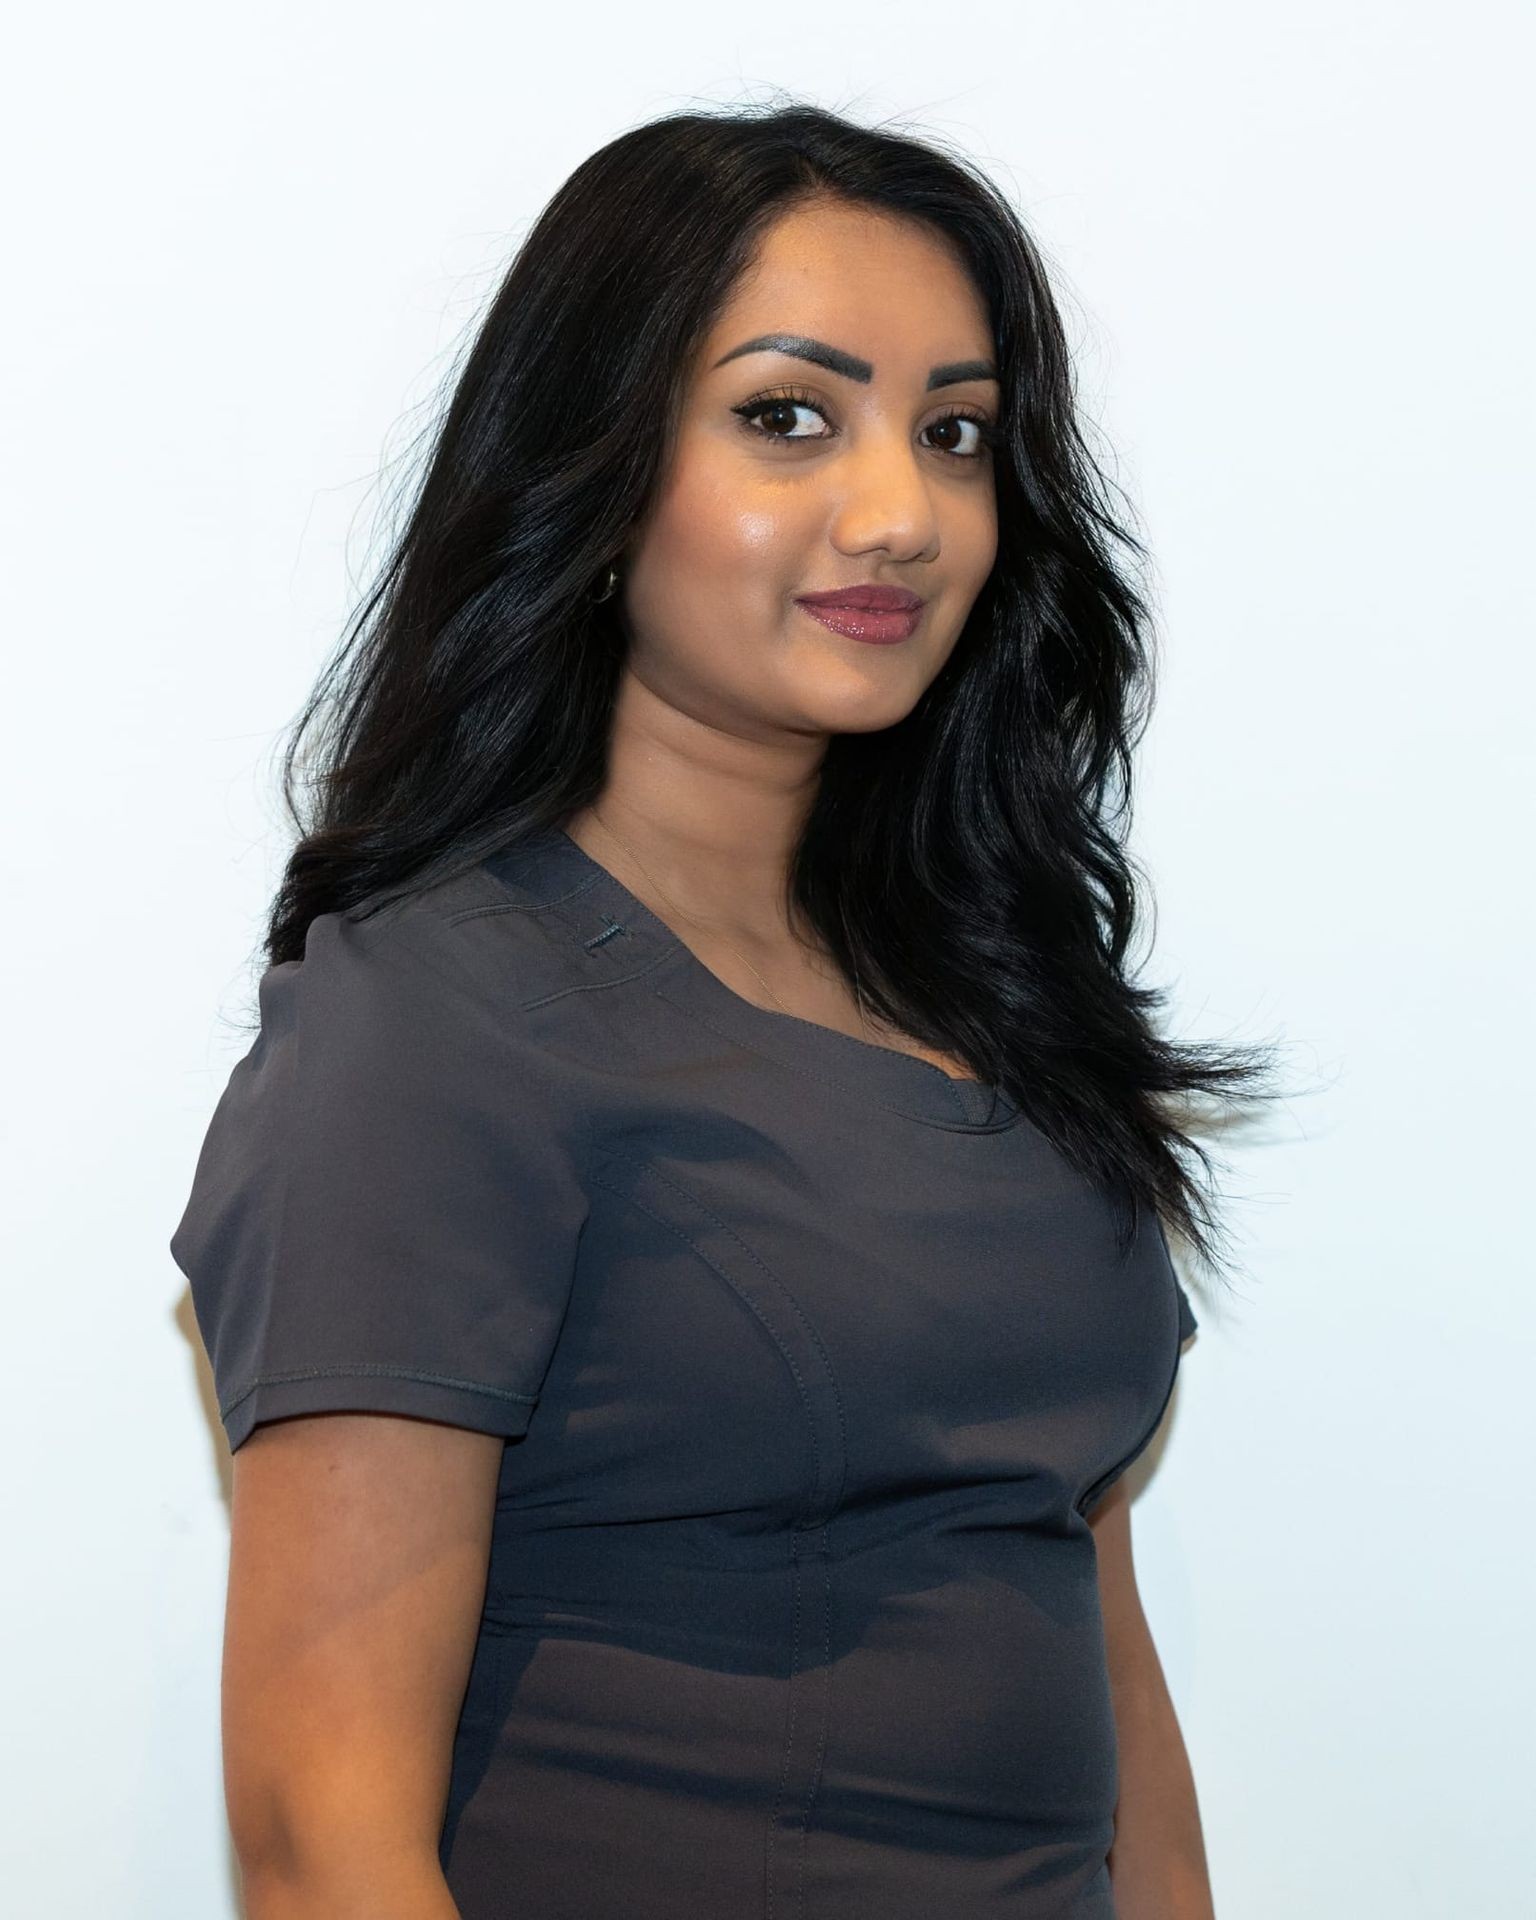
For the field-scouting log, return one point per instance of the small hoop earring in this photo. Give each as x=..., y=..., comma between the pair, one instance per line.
x=609, y=585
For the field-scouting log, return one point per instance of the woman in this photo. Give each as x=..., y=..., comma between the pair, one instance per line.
x=703, y=1154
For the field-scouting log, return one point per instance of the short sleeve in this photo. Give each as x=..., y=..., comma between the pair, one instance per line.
x=386, y=1207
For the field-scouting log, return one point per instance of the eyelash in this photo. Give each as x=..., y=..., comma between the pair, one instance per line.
x=990, y=435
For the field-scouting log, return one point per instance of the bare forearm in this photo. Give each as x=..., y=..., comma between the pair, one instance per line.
x=334, y=1853
x=384, y=1888
x=1157, y=1865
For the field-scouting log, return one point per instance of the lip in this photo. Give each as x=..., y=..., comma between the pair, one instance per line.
x=866, y=599
x=874, y=624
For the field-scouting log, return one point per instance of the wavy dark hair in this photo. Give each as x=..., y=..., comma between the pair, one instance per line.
x=970, y=861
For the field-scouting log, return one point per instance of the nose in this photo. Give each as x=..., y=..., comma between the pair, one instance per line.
x=883, y=500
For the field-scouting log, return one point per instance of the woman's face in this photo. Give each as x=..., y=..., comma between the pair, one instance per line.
x=790, y=477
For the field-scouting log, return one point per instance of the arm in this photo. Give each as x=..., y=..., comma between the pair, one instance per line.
x=1157, y=1864
x=358, y=1556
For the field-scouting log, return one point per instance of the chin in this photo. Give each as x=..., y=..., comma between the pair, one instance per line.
x=861, y=716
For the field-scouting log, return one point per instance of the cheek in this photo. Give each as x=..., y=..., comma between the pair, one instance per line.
x=971, y=547
x=712, y=540
x=977, y=535
x=711, y=518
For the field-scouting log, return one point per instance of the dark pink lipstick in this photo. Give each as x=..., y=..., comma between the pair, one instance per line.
x=880, y=614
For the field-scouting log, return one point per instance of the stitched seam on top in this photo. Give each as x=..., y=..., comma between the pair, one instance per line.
x=580, y=986
x=808, y=1326
x=370, y=1370
x=751, y=1305
x=821, y=1079
x=594, y=986
x=826, y=1708
x=521, y=906
x=789, y=1732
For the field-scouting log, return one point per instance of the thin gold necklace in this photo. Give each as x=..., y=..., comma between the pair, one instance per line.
x=693, y=921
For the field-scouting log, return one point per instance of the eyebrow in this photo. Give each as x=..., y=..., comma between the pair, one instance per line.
x=849, y=364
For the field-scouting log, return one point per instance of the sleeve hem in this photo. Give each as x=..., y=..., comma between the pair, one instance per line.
x=372, y=1389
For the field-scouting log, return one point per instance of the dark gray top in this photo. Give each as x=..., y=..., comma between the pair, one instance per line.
x=815, y=1360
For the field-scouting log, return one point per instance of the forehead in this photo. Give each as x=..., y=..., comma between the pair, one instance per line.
x=891, y=289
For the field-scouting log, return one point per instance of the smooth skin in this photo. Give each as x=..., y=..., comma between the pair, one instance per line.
x=360, y=1542
x=359, y=1547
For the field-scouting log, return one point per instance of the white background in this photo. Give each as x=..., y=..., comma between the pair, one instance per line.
x=1293, y=247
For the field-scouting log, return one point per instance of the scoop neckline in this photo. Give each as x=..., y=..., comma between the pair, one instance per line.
x=898, y=1081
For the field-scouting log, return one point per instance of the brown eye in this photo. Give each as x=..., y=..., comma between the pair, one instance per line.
x=955, y=424
x=781, y=409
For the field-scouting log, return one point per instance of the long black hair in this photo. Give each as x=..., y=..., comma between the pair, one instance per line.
x=969, y=862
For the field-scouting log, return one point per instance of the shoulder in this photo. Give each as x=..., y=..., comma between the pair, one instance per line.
x=489, y=937
x=411, y=1018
